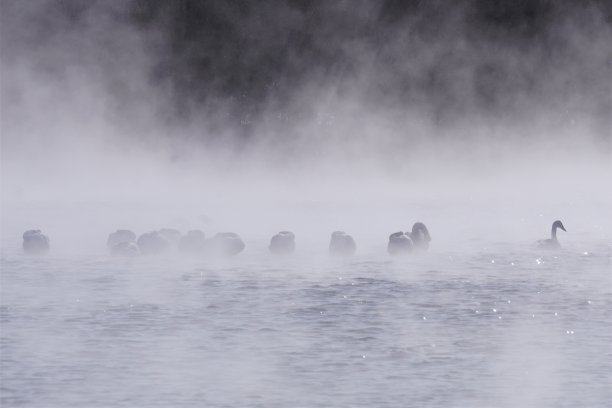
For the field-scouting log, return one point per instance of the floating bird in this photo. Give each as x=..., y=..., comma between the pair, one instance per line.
x=399, y=244
x=552, y=243
x=420, y=236
x=225, y=243
x=342, y=244
x=120, y=236
x=282, y=243
x=125, y=249
x=35, y=242
x=152, y=243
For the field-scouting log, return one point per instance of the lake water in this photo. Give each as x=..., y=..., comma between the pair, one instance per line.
x=501, y=326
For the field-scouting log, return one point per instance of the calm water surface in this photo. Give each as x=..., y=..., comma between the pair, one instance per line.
x=503, y=327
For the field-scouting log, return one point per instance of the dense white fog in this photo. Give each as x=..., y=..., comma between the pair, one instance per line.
x=114, y=116
x=89, y=144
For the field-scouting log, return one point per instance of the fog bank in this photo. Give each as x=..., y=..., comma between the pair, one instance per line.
x=251, y=110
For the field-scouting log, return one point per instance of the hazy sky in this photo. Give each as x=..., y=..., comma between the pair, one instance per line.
x=420, y=88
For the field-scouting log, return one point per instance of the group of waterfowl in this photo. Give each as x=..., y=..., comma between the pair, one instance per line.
x=404, y=242
x=126, y=243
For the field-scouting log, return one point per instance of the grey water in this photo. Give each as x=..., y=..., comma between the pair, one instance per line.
x=489, y=323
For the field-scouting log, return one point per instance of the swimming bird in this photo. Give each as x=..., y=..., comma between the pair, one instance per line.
x=35, y=242
x=399, y=244
x=225, y=243
x=420, y=236
x=152, y=243
x=282, y=243
x=125, y=248
x=552, y=243
x=342, y=244
x=120, y=236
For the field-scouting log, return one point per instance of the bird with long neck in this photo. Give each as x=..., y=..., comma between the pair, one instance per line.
x=420, y=236
x=552, y=243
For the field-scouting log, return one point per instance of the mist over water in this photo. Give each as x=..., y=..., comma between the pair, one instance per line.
x=486, y=121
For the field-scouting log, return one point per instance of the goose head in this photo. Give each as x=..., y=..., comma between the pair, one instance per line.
x=558, y=224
